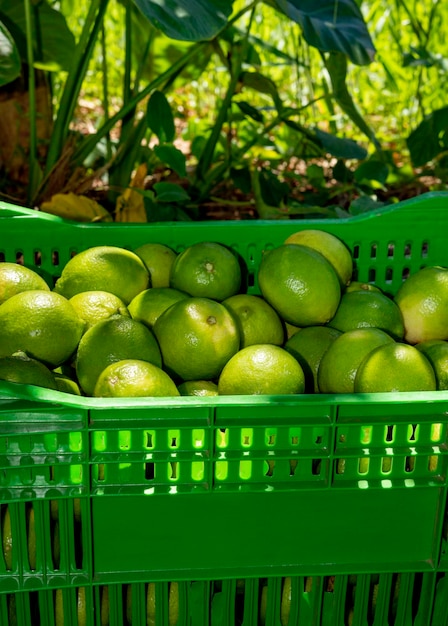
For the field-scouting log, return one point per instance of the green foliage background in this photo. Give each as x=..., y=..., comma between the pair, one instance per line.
x=258, y=107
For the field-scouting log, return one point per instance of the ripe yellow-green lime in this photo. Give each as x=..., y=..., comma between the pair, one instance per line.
x=158, y=259
x=285, y=608
x=31, y=534
x=197, y=337
x=308, y=347
x=423, y=301
x=331, y=247
x=41, y=323
x=105, y=606
x=339, y=364
x=149, y=305
x=104, y=268
x=66, y=384
x=207, y=270
x=20, y=368
x=59, y=608
x=151, y=607
x=291, y=330
x=7, y=541
x=261, y=369
x=257, y=321
x=395, y=367
x=95, y=306
x=111, y=340
x=300, y=284
x=356, y=285
x=198, y=388
x=132, y=378
x=15, y=278
x=81, y=607
x=368, y=309
x=436, y=351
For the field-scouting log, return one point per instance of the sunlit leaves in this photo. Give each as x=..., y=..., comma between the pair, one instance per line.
x=331, y=26
x=9, y=57
x=190, y=20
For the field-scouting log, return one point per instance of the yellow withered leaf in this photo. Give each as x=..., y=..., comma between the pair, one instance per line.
x=74, y=207
x=130, y=205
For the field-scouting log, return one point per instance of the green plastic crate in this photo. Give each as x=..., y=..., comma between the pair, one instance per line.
x=228, y=496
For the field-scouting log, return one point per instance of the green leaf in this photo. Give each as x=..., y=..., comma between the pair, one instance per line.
x=241, y=178
x=419, y=57
x=10, y=64
x=342, y=173
x=56, y=41
x=336, y=64
x=250, y=111
x=189, y=20
x=315, y=175
x=340, y=147
x=364, y=204
x=427, y=140
x=372, y=172
x=170, y=192
x=172, y=157
x=262, y=84
x=273, y=190
x=159, y=117
x=163, y=212
x=331, y=26
x=197, y=146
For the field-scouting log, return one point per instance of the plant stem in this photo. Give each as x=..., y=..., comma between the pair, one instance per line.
x=75, y=79
x=128, y=119
x=90, y=142
x=238, y=57
x=105, y=89
x=33, y=164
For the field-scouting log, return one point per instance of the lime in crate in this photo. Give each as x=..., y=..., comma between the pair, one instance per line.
x=284, y=509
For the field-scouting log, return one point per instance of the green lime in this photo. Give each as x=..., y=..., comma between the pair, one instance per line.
x=331, y=247
x=158, y=259
x=104, y=268
x=436, y=351
x=111, y=340
x=308, y=347
x=368, y=309
x=132, y=378
x=261, y=369
x=355, y=285
x=41, y=323
x=15, y=278
x=423, y=301
x=66, y=384
x=207, y=270
x=198, y=388
x=95, y=306
x=257, y=321
x=339, y=364
x=300, y=284
x=395, y=367
x=20, y=368
x=197, y=337
x=149, y=305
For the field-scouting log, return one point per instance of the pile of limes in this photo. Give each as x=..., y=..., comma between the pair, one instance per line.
x=153, y=322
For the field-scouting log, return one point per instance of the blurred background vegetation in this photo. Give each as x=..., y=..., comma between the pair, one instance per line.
x=303, y=132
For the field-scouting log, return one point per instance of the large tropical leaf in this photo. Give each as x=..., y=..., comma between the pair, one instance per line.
x=430, y=138
x=336, y=64
x=190, y=20
x=57, y=43
x=9, y=57
x=331, y=26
